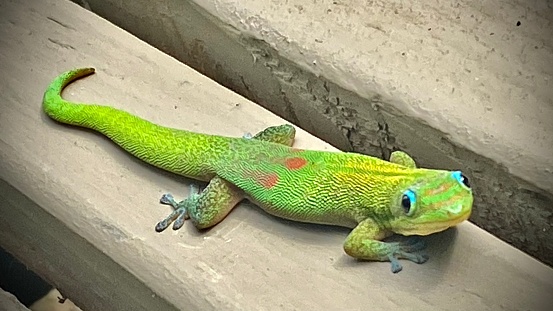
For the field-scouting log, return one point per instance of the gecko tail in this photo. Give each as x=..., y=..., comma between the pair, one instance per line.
x=174, y=150
x=116, y=124
x=55, y=106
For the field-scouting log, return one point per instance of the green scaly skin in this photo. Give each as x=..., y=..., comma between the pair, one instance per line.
x=375, y=198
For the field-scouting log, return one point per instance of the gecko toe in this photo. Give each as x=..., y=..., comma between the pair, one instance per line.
x=396, y=266
x=180, y=220
x=168, y=199
x=177, y=217
x=416, y=257
x=162, y=225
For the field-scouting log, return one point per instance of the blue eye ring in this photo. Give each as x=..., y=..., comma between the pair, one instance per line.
x=462, y=179
x=408, y=200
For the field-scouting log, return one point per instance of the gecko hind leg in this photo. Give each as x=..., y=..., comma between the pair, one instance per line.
x=180, y=209
x=208, y=207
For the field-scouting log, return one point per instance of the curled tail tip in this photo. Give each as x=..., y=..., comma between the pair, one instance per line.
x=52, y=95
x=62, y=80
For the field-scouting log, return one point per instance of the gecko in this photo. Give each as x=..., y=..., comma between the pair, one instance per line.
x=373, y=197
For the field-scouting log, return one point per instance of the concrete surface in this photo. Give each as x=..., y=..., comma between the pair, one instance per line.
x=464, y=85
x=8, y=302
x=81, y=212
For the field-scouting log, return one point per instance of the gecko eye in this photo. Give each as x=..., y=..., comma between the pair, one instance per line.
x=408, y=200
x=461, y=178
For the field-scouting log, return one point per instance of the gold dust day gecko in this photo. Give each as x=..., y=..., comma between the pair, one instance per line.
x=373, y=197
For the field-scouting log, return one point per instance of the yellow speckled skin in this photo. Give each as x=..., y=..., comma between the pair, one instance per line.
x=375, y=198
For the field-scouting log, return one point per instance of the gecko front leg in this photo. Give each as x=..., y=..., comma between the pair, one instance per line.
x=364, y=243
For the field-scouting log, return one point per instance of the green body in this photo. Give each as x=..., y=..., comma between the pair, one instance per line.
x=337, y=188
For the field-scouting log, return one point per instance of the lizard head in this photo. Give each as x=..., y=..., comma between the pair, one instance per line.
x=431, y=202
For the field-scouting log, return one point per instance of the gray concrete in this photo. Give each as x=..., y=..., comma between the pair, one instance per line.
x=457, y=86
x=8, y=302
x=81, y=212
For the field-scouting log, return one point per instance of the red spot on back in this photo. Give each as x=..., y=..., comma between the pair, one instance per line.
x=267, y=180
x=295, y=163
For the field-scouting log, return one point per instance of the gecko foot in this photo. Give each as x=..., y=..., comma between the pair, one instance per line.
x=410, y=248
x=396, y=266
x=416, y=257
x=180, y=212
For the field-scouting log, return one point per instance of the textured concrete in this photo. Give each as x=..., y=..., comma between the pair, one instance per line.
x=81, y=212
x=463, y=85
x=8, y=302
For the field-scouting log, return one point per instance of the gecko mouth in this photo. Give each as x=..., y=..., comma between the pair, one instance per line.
x=426, y=228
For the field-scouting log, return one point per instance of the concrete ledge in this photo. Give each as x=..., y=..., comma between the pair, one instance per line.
x=81, y=212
